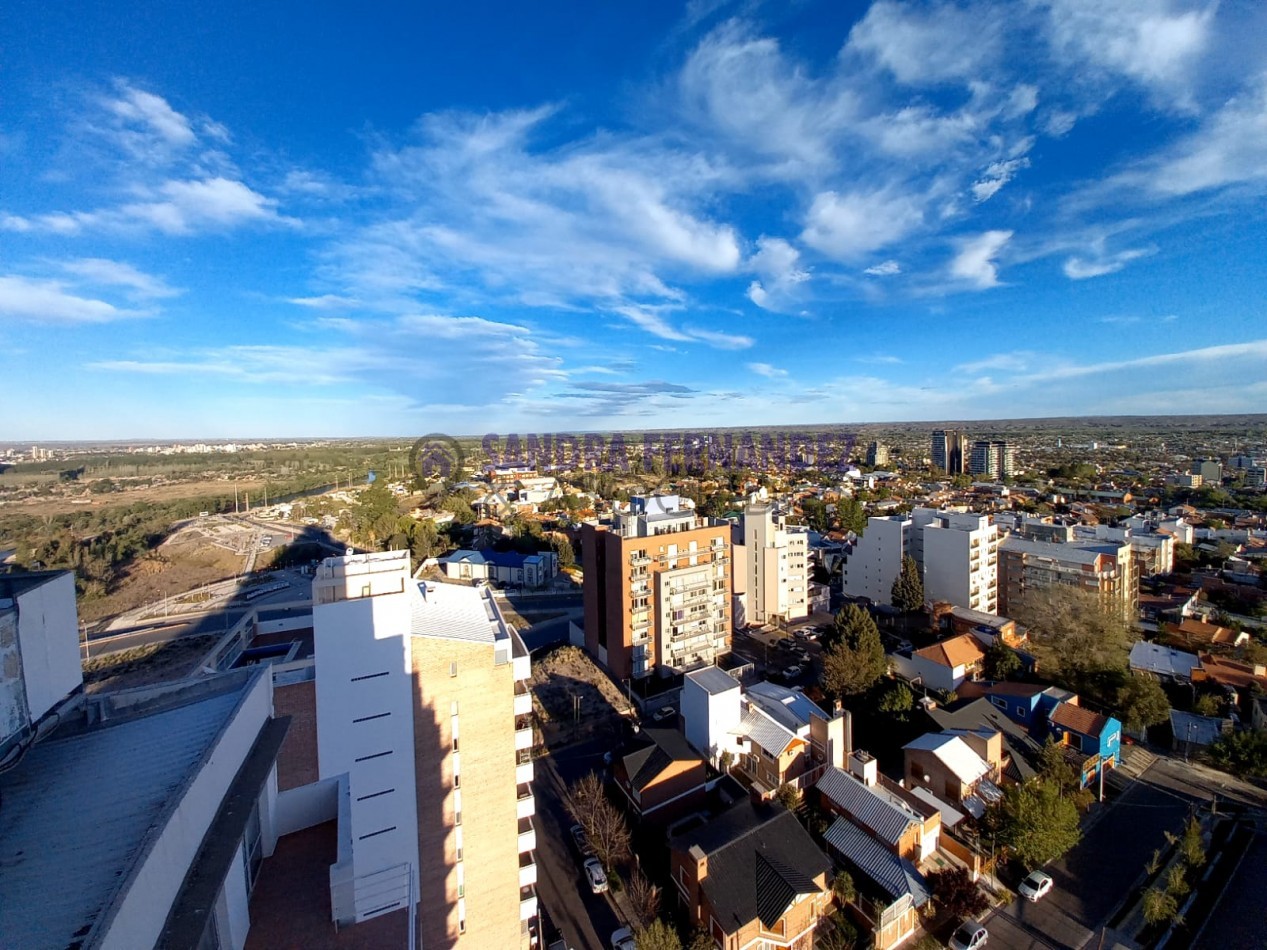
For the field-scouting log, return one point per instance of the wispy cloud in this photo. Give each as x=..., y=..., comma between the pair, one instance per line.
x=884, y=269
x=767, y=370
x=51, y=302
x=1081, y=268
x=103, y=272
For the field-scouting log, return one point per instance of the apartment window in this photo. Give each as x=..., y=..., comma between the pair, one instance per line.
x=461, y=915
x=453, y=668
x=453, y=708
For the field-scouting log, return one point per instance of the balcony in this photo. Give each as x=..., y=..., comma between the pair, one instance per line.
x=525, y=772
x=527, y=903
x=525, y=804
x=527, y=869
x=523, y=702
x=523, y=733
x=527, y=836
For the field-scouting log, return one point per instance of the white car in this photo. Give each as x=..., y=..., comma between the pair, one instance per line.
x=970, y=936
x=792, y=672
x=1035, y=886
x=623, y=939
x=596, y=876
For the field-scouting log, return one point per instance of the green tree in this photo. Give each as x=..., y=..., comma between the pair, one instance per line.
x=788, y=796
x=848, y=626
x=956, y=893
x=1207, y=704
x=843, y=888
x=1035, y=822
x=563, y=548
x=1241, y=753
x=816, y=516
x=1141, y=703
x=852, y=515
x=897, y=699
x=835, y=932
x=658, y=936
x=1192, y=844
x=908, y=587
x=855, y=661
x=1159, y=906
x=1001, y=660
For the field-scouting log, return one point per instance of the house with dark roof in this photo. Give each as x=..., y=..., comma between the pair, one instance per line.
x=1095, y=738
x=1019, y=748
x=506, y=567
x=752, y=877
x=905, y=824
x=661, y=776
x=889, y=890
x=1024, y=703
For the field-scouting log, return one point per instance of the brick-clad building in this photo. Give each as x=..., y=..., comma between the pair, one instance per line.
x=657, y=588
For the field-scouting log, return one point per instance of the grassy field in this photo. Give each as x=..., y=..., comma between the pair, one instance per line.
x=147, y=665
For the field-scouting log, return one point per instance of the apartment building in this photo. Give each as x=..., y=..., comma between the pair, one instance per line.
x=993, y=459
x=1154, y=553
x=876, y=559
x=1210, y=470
x=657, y=588
x=958, y=553
x=1104, y=567
x=771, y=566
x=949, y=451
x=423, y=720
x=877, y=454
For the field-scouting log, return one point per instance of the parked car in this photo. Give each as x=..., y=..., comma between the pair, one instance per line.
x=970, y=936
x=663, y=714
x=1035, y=886
x=580, y=840
x=785, y=644
x=596, y=876
x=807, y=633
x=792, y=672
x=623, y=939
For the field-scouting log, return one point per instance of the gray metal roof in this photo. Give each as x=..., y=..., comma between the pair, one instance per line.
x=713, y=680
x=895, y=876
x=791, y=708
x=883, y=818
x=80, y=811
x=765, y=732
x=454, y=612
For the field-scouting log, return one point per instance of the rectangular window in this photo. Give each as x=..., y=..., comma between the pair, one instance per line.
x=369, y=676
x=365, y=798
x=376, y=755
x=453, y=668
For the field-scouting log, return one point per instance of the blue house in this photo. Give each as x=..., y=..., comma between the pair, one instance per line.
x=1096, y=738
x=1027, y=704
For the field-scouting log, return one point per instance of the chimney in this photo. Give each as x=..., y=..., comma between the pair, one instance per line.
x=862, y=766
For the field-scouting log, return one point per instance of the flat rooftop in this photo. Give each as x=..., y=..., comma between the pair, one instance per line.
x=455, y=612
x=82, y=808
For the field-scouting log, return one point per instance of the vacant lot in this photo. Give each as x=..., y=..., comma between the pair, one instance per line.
x=575, y=698
x=147, y=665
x=80, y=499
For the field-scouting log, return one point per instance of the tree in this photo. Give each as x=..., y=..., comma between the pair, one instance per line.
x=658, y=936
x=1074, y=632
x=1207, y=704
x=644, y=899
x=897, y=699
x=788, y=796
x=563, y=548
x=815, y=511
x=604, y=824
x=1192, y=844
x=1035, y=822
x=843, y=888
x=725, y=760
x=835, y=932
x=850, y=622
x=854, y=665
x=1241, y=753
x=957, y=893
x=1000, y=660
x=1159, y=906
x=908, y=587
x=1142, y=702
x=700, y=940
x=852, y=515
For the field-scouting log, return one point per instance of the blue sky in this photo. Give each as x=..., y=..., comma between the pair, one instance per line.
x=284, y=219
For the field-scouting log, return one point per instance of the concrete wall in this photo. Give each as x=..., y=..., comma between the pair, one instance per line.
x=155, y=883
x=48, y=635
x=365, y=713
x=306, y=806
x=710, y=719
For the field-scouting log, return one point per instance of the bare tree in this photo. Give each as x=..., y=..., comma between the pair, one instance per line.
x=604, y=823
x=645, y=899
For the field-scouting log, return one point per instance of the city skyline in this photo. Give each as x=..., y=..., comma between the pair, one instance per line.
x=497, y=219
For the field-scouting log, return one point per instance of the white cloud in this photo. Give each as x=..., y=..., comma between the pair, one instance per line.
x=879, y=359
x=325, y=302
x=884, y=269
x=720, y=340
x=996, y=176
x=181, y=207
x=945, y=42
x=765, y=369
x=50, y=302
x=96, y=270
x=778, y=264
x=1231, y=147
x=1156, y=45
x=1016, y=362
x=145, y=125
x=976, y=262
x=846, y=226
x=1081, y=268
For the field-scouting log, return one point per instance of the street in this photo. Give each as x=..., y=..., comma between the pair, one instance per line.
x=587, y=920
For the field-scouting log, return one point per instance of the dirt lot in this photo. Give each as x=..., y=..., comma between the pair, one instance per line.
x=176, y=491
x=171, y=569
x=574, y=698
x=147, y=665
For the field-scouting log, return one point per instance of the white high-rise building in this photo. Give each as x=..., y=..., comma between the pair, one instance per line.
x=958, y=553
x=876, y=560
x=774, y=559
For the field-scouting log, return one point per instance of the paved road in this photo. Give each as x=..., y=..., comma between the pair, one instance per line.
x=586, y=920
x=1094, y=878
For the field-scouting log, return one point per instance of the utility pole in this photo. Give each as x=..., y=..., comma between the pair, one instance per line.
x=235, y=496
